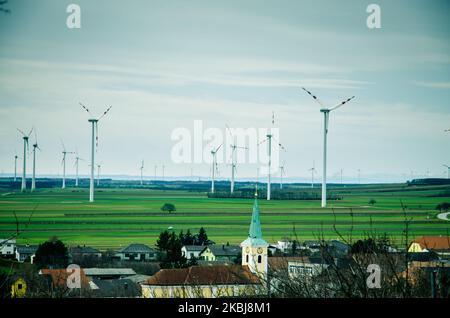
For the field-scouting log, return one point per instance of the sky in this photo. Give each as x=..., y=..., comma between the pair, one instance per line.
x=161, y=65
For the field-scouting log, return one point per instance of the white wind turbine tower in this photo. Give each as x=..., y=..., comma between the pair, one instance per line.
x=326, y=115
x=25, y=147
x=234, y=147
x=77, y=159
x=99, y=166
x=15, y=167
x=94, y=123
x=163, y=172
x=63, y=162
x=282, y=171
x=313, y=171
x=35, y=146
x=142, y=169
x=214, y=166
x=269, y=145
x=448, y=171
x=156, y=167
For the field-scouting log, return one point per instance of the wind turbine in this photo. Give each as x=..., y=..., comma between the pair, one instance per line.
x=156, y=166
x=99, y=166
x=281, y=175
x=448, y=171
x=214, y=166
x=142, y=169
x=313, y=171
x=25, y=148
x=35, y=146
x=163, y=172
x=233, y=158
x=94, y=123
x=359, y=176
x=341, y=174
x=326, y=115
x=63, y=162
x=269, y=137
x=15, y=166
x=77, y=159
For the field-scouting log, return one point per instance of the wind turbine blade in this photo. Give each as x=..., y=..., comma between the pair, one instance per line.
x=342, y=103
x=29, y=134
x=229, y=130
x=62, y=144
x=85, y=108
x=105, y=112
x=314, y=96
x=21, y=132
x=217, y=149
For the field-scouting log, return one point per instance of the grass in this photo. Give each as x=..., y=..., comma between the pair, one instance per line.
x=122, y=216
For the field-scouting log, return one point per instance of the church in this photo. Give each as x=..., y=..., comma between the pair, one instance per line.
x=247, y=279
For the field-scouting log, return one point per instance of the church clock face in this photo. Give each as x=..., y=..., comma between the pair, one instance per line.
x=260, y=250
x=247, y=249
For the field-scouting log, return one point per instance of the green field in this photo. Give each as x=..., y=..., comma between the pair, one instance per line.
x=123, y=216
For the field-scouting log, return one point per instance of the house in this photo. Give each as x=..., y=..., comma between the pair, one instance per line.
x=247, y=279
x=192, y=251
x=220, y=253
x=25, y=253
x=7, y=247
x=277, y=263
x=108, y=273
x=305, y=268
x=416, y=269
x=58, y=278
x=201, y=282
x=79, y=252
x=438, y=244
x=285, y=245
x=136, y=252
x=115, y=288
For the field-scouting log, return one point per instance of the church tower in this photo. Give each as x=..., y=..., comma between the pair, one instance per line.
x=255, y=248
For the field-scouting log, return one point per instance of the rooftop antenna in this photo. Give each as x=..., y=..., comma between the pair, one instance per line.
x=313, y=171
x=214, y=166
x=326, y=115
x=94, y=123
x=234, y=146
x=35, y=146
x=25, y=138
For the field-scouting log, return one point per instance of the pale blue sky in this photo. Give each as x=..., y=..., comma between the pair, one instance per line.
x=162, y=64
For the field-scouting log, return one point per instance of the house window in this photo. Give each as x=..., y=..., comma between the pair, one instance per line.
x=259, y=259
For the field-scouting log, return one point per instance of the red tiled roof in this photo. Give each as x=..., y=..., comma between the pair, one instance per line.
x=59, y=277
x=204, y=275
x=434, y=242
x=279, y=263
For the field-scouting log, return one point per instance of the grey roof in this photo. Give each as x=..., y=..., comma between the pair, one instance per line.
x=138, y=278
x=116, y=288
x=26, y=249
x=224, y=250
x=108, y=271
x=194, y=248
x=83, y=250
x=137, y=248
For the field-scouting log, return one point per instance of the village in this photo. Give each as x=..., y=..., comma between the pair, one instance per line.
x=204, y=269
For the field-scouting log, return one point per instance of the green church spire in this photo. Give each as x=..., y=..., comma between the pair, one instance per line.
x=255, y=225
